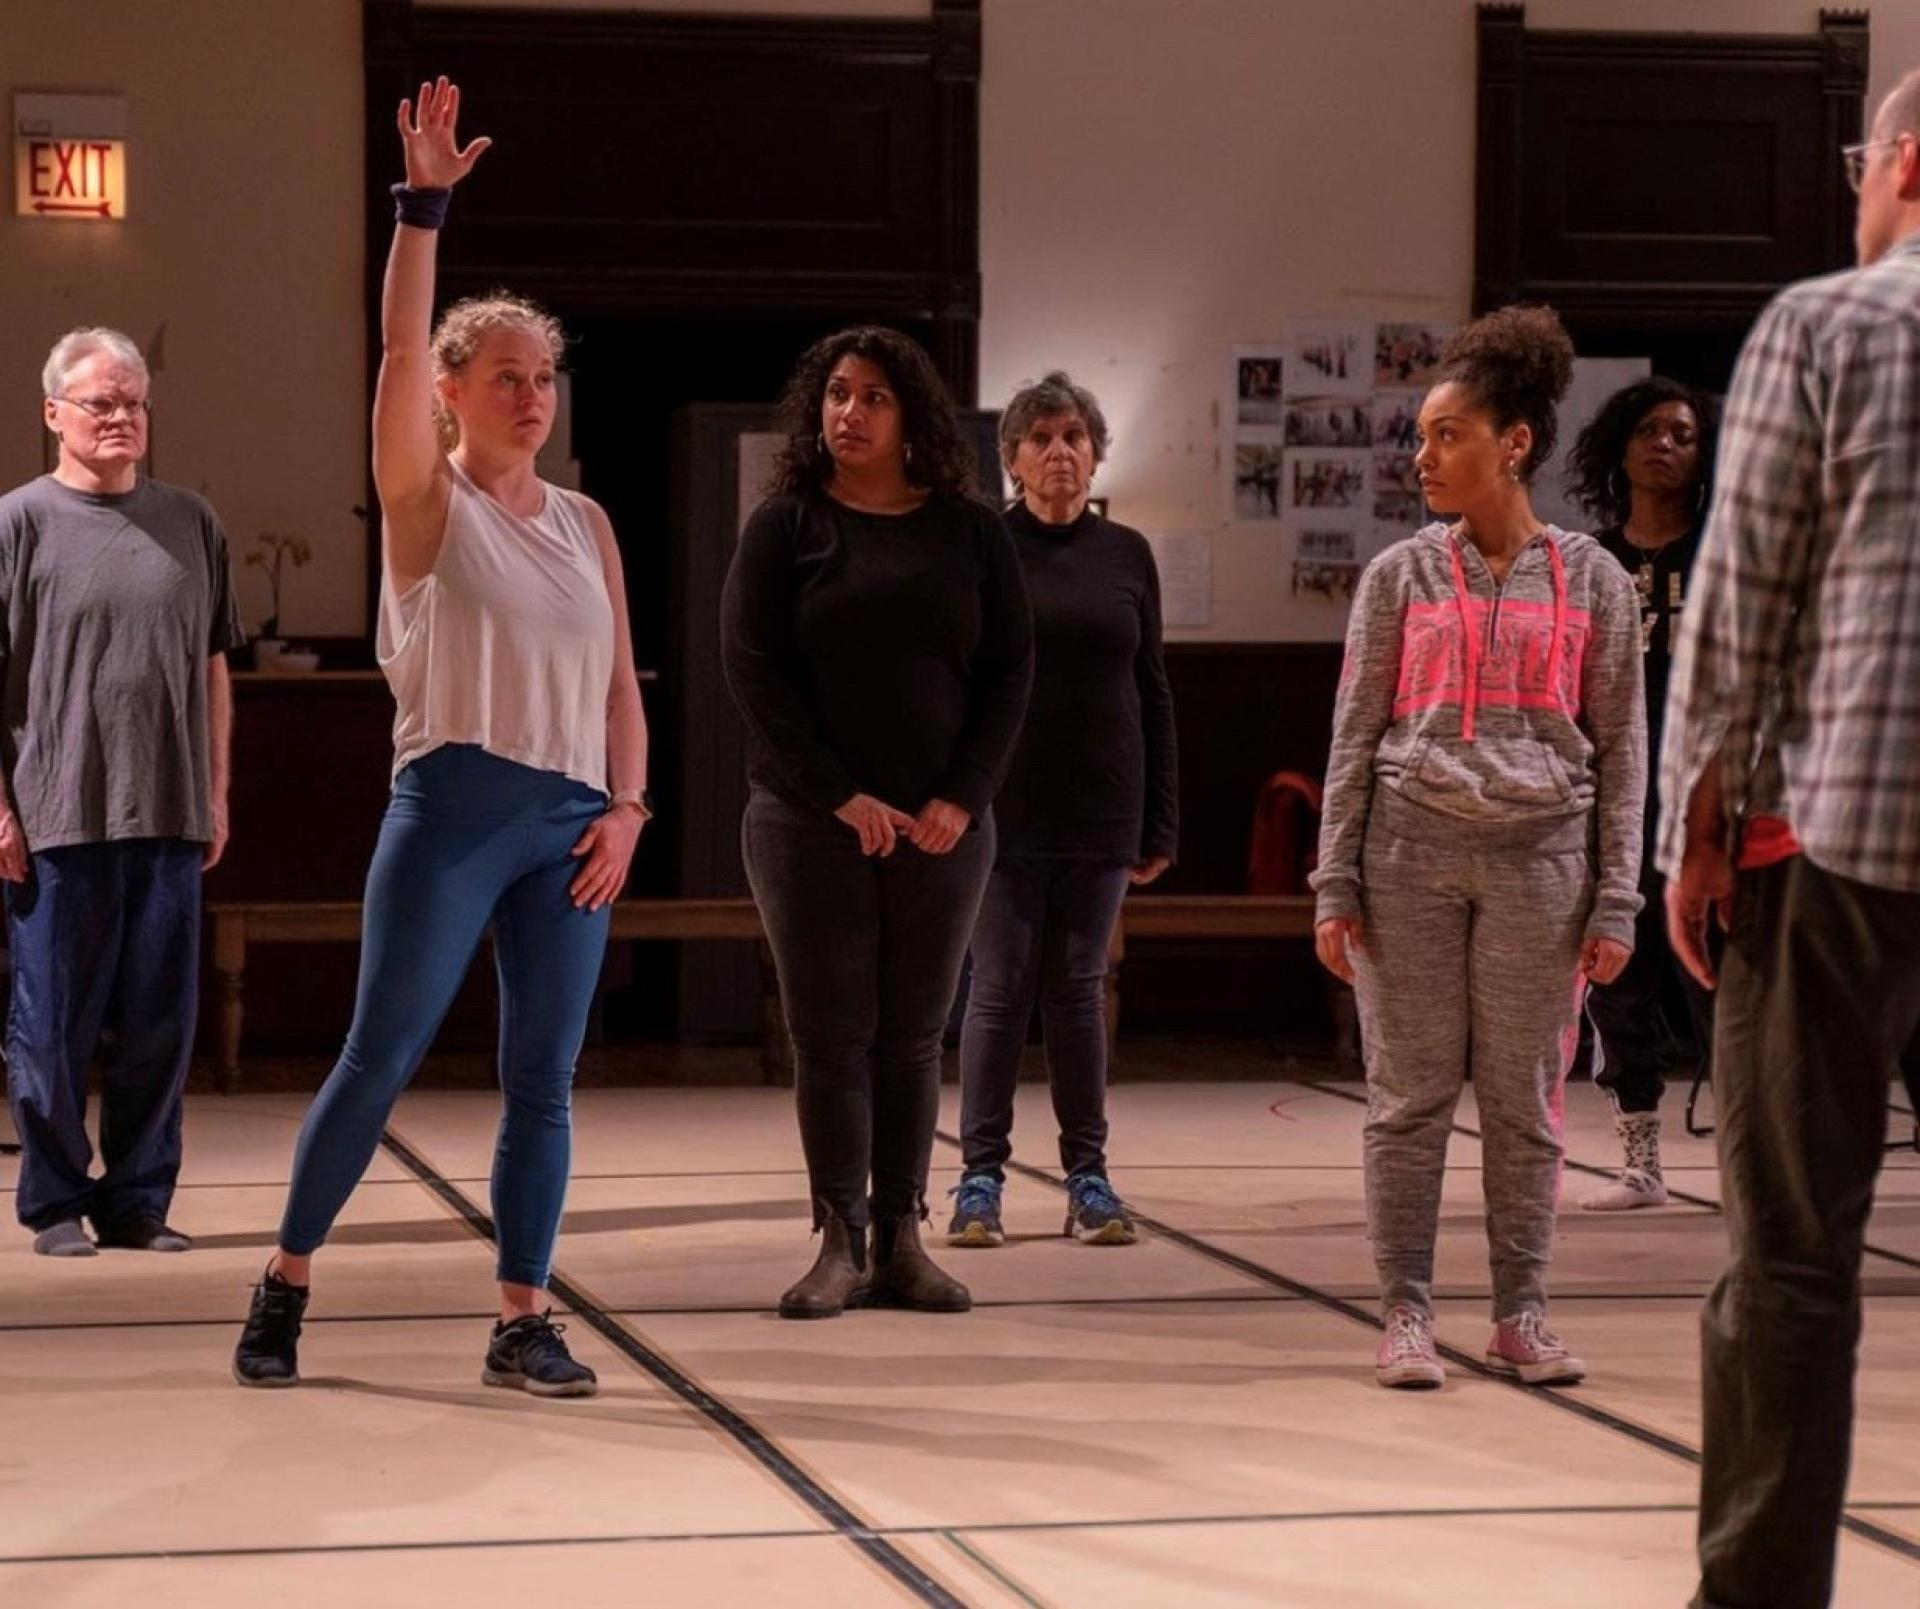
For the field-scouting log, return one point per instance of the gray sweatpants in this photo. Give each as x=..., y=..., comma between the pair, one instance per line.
x=1471, y=963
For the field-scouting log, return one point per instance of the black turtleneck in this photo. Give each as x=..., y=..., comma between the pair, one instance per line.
x=1095, y=775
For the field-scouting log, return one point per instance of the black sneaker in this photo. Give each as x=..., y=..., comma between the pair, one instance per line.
x=1095, y=1215
x=529, y=1354
x=267, y=1353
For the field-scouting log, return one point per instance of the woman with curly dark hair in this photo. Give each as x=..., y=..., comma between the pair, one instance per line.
x=1480, y=846
x=877, y=639
x=1643, y=468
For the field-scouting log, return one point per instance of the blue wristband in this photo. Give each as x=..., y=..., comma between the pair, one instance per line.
x=424, y=208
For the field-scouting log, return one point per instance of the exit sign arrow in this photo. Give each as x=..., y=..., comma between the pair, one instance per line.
x=103, y=209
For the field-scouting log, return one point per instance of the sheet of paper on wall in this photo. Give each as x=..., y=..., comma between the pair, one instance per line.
x=1185, y=563
x=1594, y=380
x=758, y=449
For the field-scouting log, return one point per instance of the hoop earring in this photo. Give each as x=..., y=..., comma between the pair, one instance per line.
x=1700, y=496
x=908, y=455
x=820, y=440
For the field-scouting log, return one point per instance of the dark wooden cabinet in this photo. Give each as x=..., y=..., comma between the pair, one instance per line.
x=1658, y=188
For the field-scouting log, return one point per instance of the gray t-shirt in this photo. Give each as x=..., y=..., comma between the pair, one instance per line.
x=112, y=606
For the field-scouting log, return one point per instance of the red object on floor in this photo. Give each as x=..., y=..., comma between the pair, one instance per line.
x=1286, y=834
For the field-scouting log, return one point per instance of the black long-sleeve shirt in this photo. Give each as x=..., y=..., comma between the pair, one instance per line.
x=1096, y=774
x=887, y=654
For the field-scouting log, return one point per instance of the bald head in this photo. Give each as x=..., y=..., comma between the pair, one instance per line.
x=1900, y=111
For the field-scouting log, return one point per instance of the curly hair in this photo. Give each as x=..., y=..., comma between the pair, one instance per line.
x=465, y=324
x=1517, y=362
x=938, y=457
x=1594, y=478
x=1044, y=399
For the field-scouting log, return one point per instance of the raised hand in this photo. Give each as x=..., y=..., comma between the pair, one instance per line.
x=434, y=158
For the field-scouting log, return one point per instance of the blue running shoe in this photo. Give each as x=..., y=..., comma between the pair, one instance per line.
x=976, y=1212
x=1095, y=1215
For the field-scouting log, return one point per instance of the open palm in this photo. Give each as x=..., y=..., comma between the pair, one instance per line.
x=434, y=158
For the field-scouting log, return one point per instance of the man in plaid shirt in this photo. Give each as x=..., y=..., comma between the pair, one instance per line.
x=1802, y=632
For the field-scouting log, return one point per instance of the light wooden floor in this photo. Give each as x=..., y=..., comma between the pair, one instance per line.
x=1191, y=1421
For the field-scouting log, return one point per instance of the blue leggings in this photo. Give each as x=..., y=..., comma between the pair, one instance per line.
x=470, y=841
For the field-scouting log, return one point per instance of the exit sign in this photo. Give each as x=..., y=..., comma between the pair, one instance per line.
x=70, y=157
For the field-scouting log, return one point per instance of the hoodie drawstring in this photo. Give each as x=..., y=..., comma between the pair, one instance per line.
x=1470, y=696
x=1556, y=648
x=1556, y=653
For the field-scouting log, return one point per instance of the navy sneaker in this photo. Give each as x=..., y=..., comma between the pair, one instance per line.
x=529, y=1354
x=268, y=1351
x=1095, y=1216
x=976, y=1212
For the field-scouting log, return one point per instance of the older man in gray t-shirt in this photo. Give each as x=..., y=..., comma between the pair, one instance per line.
x=116, y=607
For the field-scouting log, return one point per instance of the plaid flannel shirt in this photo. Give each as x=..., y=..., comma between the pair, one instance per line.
x=1802, y=625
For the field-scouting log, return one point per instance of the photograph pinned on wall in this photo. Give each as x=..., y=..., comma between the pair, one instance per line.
x=1256, y=480
x=1396, y=419
x=1329, y=357
x=1326, y=421
x=1332, y=579
x=1258, y=405
x=1407, y=354
x=1328, y=544
x=1396, y=489
x=1326, y=479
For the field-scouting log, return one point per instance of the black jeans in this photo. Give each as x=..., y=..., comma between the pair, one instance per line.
x=1819, y=999
x=1043, y=934
x=1653, y=1021
x=869, y=953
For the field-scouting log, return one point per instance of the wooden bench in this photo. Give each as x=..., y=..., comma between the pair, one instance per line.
x=237, y=927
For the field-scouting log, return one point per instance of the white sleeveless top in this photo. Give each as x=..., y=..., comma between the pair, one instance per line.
x=508, y=642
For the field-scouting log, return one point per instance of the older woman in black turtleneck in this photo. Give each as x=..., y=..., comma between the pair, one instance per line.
x=1090, y=806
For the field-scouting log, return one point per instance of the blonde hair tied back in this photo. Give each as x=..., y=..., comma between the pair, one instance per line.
x=462, y=329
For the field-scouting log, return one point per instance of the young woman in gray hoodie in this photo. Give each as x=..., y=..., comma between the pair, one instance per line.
x=1480, y=847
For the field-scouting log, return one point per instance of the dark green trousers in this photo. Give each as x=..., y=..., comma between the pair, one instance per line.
x=1819, y=999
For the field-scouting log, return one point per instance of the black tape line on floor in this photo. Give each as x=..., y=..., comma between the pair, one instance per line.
x=1134, y=1522
x=1591, y=1171
x=755, y=1442
x=1592, y=1412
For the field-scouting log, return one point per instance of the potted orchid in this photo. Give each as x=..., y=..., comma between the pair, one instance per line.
x=273, y=552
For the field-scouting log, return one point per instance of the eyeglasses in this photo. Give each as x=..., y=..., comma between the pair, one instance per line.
x=1855, y=157
x=105, y=408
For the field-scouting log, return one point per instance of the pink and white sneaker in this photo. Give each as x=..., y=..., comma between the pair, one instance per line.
x=1407, y=1359
x=1523, y=1348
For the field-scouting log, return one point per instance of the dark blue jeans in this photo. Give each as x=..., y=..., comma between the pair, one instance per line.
x=869, y=954
x=106, y=959
x=1043, y=935
x=470, y=842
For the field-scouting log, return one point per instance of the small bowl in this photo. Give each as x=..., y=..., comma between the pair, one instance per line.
x=295, y=663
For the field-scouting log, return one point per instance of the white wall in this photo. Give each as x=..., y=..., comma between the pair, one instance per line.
x=243, y=240
x=1160, y=178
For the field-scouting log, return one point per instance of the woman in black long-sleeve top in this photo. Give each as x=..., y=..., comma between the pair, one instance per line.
x=1091, y=804
x=878, y=643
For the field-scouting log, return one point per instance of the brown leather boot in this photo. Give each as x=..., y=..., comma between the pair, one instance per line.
x=839, y=1276
x=905, y=1276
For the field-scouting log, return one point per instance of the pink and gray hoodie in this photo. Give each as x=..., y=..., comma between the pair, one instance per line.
x=1520, y=702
